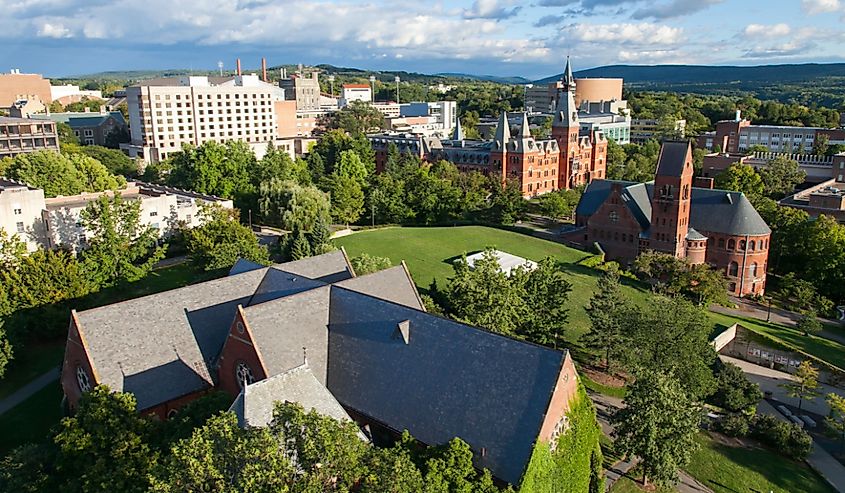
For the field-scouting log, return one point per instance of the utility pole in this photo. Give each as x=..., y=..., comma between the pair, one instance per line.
x=331, y=84
x=373, y=87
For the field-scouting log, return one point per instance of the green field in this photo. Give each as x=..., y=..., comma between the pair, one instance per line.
x=429, y=253
x=31, y=420
x=731, y=469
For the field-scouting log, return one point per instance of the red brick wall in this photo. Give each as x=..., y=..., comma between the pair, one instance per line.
x=618, y=239
x=565, y=389
x=76, y=355
x=162, y=410
x=239, y=346
x=720, y=256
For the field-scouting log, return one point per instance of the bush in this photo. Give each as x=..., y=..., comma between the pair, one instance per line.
x=785, y=438
x=734, y=425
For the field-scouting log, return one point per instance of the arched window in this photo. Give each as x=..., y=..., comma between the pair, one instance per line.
x=721, y=243
x=731, y=244
x=243, y=374
x=754, y=269
x=733, y=269
x=742, y=245
x=732, y=287
x=752, y=245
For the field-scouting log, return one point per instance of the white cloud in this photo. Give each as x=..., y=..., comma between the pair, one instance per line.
x=645, y=33
x=766, y=31
x=491, y=9
x=54, y=30
x=813, y=7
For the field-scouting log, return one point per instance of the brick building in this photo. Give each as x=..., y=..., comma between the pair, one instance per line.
x=670, y=215
x=313, y=332
x=570, y=158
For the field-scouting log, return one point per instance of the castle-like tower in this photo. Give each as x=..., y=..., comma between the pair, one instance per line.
x=670, y=203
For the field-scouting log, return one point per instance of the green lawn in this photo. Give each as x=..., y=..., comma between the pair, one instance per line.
x=730, y=470
x=429, y=253
x=29, y=363
x=627, y=485
x=825, y=349
x=31, y=420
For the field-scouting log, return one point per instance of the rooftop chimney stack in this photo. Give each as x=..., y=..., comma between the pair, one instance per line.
x=239, y=67
x=264, y=69
x=739, y=115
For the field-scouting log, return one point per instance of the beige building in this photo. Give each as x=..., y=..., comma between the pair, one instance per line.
x=15, y=86
x=21, y=135
x=597, y=89
x=643, y=129
x=20, y=211
x=162, y=208
x=305, y=90
x=165, y=114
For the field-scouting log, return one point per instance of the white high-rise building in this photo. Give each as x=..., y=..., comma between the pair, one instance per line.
x=166, y=113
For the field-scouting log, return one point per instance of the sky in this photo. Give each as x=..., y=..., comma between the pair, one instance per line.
x=496, y=37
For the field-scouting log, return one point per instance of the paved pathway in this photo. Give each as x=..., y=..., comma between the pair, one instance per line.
x=28, y=390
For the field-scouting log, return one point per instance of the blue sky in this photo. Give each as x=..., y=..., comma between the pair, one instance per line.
x=499, y=37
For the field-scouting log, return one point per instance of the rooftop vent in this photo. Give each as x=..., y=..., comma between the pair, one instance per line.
x=728, y=198
x=403, y=330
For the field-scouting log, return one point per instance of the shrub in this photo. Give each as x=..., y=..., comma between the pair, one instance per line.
x=786, y=438
x=734, y=425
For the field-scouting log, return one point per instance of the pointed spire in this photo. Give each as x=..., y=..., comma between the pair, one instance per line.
x=568, y=79
x=525, y=132
x=503, y=130
x=566, y=113
x=458, y=134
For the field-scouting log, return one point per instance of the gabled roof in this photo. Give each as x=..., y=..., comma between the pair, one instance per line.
x=254, y=405
x=288, y=329
x=393, y=284
x=711, y=211
x=566, y=113
x=162, y=346
x=329, y=267
x=243, y=265
x=448, y=380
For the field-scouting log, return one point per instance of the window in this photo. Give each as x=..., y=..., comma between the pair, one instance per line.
x=153, y=213
x=89, y=142
x=82, y=379
x=89, y=132
x=614, y=216
x=742, y=245
x=171, y=414
x=751, y=245
x=18, y=212
x=754, y=269
x=733, y=269
x=240, y=326
x=20, y=227
x=731, y=244
x=243, y=374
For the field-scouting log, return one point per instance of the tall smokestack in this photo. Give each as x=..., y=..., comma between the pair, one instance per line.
x=239, y=66
x=264, y=69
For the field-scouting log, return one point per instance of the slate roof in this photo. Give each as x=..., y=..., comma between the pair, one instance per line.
x=449, y=380
x=254, y=405
x=711, y=211
x=367, y=343
x=161, y=346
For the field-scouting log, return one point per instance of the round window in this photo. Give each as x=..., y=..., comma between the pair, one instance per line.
x=240, y=326
x=82, y=379
x=243, y=374
x=171, y=414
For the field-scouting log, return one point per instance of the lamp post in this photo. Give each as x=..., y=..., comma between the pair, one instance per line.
x=397, y=88
x=525, y=96
x=373, y=87
x=331, y=84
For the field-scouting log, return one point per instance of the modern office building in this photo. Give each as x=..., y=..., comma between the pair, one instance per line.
x=433, y=119
x=644, y=129
x=739, y=135
x=609, y=117
x=166, y=113
x=20, y=135
x=356, y=92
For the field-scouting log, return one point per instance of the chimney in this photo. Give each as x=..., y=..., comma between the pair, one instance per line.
x=102, y=110
x=264, y=69
x=739, y=115
x=703, y=182
x=239, y=66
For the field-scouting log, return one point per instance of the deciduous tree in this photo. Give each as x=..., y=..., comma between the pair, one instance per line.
x=658, y=424
x=347, y=199
x=805, y=383
x=367, y=264
x=222, y=240
x=292, y=206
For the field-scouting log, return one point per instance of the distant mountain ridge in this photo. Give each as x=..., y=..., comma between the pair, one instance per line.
x=711, y=74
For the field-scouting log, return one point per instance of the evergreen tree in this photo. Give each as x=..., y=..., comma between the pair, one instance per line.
x=606, y=311
x=547, y=293
x=658, y=424
x=299, y=248
x=320, y=237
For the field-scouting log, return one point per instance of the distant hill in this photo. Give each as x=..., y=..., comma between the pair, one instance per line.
x=806, y=83
x=703, y=74
x=486, y=78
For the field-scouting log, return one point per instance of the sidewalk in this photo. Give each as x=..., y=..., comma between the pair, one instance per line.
x=780, y=316
x=28, y=390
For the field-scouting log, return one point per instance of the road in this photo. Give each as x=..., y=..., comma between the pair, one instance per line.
x=779, y=316
x=28, y=390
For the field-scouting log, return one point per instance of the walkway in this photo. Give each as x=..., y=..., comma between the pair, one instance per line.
x=28, y=390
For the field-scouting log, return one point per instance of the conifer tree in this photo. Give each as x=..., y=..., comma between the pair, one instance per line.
x=605, y=311
x=300, y=248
